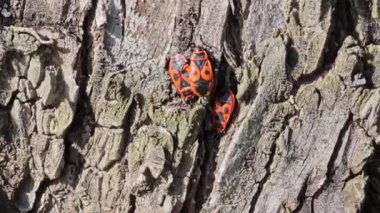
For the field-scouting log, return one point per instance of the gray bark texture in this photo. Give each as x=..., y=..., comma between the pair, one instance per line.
x=90, y=121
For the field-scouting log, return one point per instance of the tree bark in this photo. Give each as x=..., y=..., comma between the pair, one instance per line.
x=90, y=122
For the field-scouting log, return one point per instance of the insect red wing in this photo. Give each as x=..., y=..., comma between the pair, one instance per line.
x=208, y=75
x=176, y=78
x=201, y=75
x=206, y=70
x=229, y=107
x=177, y=65
x=218, y=120
x=195, y=78
x=223, y=108
x=186, y=89
x=231, y=102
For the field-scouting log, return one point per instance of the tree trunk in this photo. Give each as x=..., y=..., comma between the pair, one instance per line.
x=90, y=121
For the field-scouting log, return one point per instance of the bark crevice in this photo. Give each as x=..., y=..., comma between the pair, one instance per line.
x=302, y=195
x=262, y=182
x=331, y=164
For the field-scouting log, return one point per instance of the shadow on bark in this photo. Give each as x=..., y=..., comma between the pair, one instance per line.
x=5, y=204
x=371, y=203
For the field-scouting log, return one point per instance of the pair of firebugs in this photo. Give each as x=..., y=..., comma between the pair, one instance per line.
x=196, y=78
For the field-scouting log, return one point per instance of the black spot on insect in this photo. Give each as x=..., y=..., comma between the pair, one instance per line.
x=202, y=87
x=176, y=77
x=188, y=93
x=199, y=55
x=224, y=98
x=184, y=84
x=200, y=64
x=218, y=125
x=220, y=117
x=185, y=74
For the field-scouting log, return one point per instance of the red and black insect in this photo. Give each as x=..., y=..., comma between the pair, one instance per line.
x=180, y=75
x=196, y=78
x=201, y=73
x=222, y=110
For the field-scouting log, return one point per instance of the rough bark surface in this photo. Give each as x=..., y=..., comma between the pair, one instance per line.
x=89, y=120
